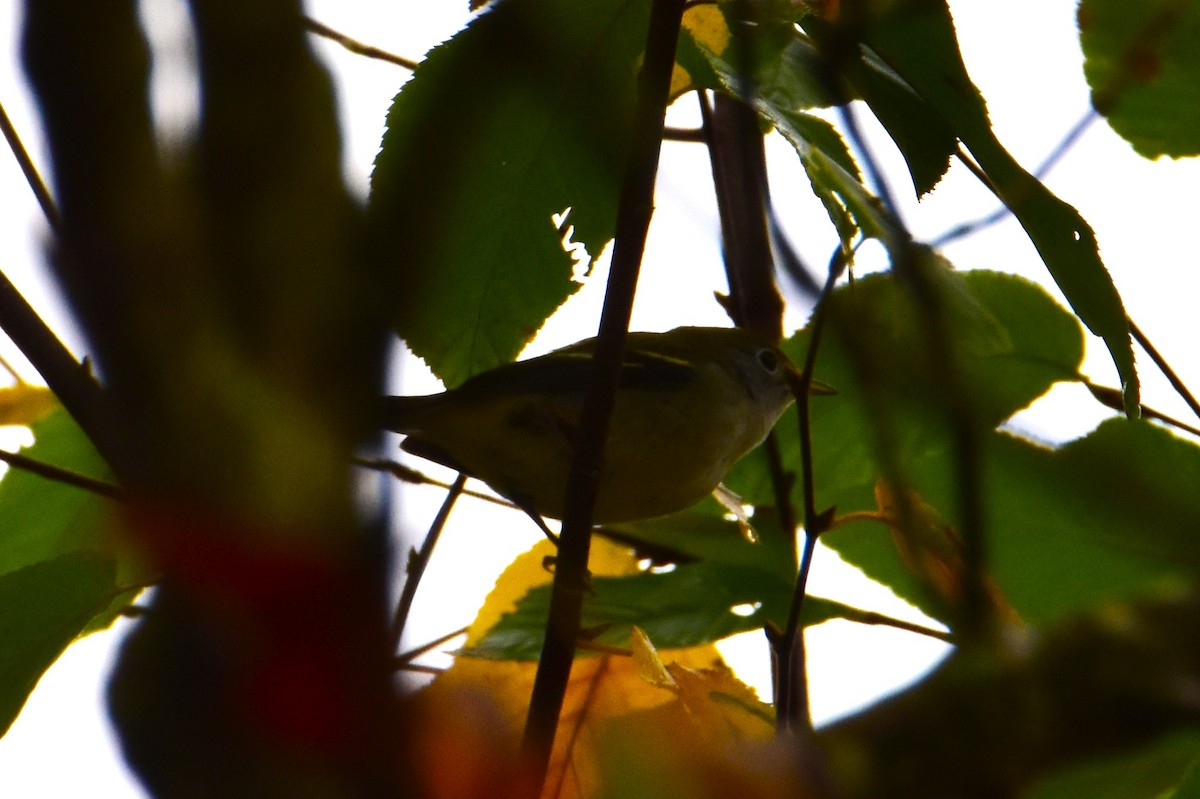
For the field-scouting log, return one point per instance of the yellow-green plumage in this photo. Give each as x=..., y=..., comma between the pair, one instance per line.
x=691, y=402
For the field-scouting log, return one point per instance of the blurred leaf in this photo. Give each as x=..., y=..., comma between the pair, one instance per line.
x=1142, y=65
x=1157, y=771
x=996, y=720
x=43, y=608
x=520, y=116
x=1110, y=517
x=1113, y=515
x=916, y=39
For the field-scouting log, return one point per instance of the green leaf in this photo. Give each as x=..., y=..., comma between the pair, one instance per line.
x=43, y=607
x=925, y=140
x=1141, y=62
x=41, y=520
x=916, y=39
x=522, y=115
x=834, y=176
x=786, y=82
x=1111, y=517
x=1009, y=342
x=688, y=606
x=783, y=65
x=718, y=584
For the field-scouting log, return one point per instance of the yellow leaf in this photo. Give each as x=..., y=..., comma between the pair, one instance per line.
x=482, y=703
x=707, y=25
x=681, y=81
x=23, y=404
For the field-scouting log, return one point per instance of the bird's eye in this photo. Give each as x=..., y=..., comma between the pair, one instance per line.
x=768, y=360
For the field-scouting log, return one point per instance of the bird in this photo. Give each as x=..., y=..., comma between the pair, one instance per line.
x=690, y=403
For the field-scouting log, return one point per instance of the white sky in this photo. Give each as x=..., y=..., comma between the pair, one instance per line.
x=1023, y=54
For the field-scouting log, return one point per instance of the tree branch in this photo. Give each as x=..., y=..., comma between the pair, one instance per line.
x=633, y=221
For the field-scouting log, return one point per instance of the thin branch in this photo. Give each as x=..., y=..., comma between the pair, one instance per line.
x=875, y=619
x=791, y=707
x=417, y=667
x=414, y=477
x=60, y=475
x=1164, y=367
x=71, y=381
x=1113, y=398
x=683, y=134
x=420, y=560
x=634, y=209
x=357, y=47
x=412, y=654
x=32, y=177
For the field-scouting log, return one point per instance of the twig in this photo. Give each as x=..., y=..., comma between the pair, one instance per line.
x=60, y=475
x=420, y=560
x=70, y=380
x=1165, y=368
x=412, y=654
x=1113, y=398
x=410, y=475
x=684, y=134
x=417, y=667
x=880, y=620
x=32, y=177
x=357, y=47
x=633, y=221
x=791, y=707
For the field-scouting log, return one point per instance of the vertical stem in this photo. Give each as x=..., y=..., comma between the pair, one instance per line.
x=633, y=221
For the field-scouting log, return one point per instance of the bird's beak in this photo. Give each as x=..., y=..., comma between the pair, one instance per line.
x=815, y=387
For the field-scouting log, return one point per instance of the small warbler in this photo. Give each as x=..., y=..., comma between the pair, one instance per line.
x=689, y=404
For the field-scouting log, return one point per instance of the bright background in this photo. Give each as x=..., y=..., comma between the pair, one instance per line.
x=1023, y=54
